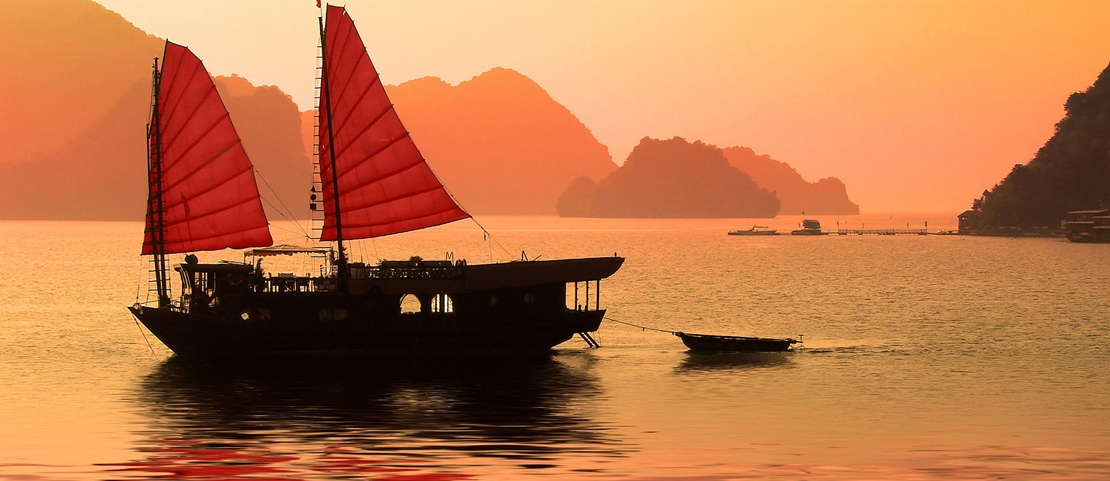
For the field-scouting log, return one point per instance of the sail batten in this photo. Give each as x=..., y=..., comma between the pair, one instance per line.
x=205, y=197
x=169, y=118
x=374, y=170
x=344, y=53
x=200, y=137
x=367, y=90
x=404, y=196
x=415, y=162
x=171, y=112
x=365, y=129
x=169, y=204
x=198, y=169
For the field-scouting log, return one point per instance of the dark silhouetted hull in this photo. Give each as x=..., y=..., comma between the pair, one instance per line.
x=704, y=342
x=407, y=335
x=509, y=309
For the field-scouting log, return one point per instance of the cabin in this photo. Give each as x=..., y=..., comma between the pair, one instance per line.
x=967, y=221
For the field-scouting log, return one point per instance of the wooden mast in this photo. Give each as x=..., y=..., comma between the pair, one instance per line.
x=154, y=167
x=341, y=261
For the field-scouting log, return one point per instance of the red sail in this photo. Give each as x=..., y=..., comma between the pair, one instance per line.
x=384, y=185
x=209, y=197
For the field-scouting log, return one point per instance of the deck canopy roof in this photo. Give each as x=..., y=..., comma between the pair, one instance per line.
x=288, y=250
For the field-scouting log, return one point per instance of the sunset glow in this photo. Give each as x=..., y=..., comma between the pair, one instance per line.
x=914, y=105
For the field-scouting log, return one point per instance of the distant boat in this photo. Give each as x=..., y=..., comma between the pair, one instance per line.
x=706, y=342
x=374, y=182
x=1090, y=226
x=755, y=230
x=809, y=227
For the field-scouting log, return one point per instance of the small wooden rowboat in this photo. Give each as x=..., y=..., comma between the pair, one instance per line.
x=706, y=342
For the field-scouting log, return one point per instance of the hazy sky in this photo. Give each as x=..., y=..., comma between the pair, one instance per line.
x=916, y=106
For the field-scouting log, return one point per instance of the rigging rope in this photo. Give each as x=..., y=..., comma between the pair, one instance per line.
x=144, y=335
x=298, y=234
x=486, y=236
x=139, y=284
x=283, y=206
x=642, y=328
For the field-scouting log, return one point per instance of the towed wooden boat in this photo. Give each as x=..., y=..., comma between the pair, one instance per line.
x=707, y=342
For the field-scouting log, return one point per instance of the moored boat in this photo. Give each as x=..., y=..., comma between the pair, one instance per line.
x=1088, y=226
x=755, y=230
x=374, y=182
x=809, y=227
x=710, y=343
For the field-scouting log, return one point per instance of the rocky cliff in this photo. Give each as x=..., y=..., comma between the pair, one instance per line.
x=827, y=196
x=670, y=179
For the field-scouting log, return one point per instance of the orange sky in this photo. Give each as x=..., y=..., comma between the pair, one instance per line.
x=916, y=106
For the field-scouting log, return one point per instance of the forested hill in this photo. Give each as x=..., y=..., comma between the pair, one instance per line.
x=1071, y=171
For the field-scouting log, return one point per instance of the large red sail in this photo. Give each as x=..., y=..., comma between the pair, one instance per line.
x=384, y=184
x=209, y=199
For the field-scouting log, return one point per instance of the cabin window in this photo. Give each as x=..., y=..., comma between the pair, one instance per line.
x=442, y=304
x=410, y=304
x=529, y=298
x=492, y=300
x=337, y=314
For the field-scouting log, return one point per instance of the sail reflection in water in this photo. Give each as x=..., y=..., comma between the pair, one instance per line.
x=320, y=421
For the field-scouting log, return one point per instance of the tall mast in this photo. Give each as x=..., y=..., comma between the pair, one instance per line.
x=154, y=167
x=341, y=261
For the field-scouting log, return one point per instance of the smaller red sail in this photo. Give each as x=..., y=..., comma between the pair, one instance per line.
x=208, y=196
x=384, y=185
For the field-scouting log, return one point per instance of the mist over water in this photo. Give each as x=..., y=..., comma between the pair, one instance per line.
x=927, y=357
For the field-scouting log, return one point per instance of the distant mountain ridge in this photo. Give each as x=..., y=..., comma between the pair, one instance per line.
x=670, y=179
x=75, y=110
x=71, y=142
x=101, y=174
x=827, y=196
x=499, y=142
x=65, y=63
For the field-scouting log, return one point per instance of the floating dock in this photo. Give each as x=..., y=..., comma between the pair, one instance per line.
x=882, y=232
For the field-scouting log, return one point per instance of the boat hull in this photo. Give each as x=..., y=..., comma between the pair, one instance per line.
x=406, y=335
x=507, y=309
x=753, y=233
x=1088, y=238
x=709, y=343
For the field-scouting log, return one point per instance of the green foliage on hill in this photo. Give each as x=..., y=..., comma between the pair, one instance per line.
x=1071, y=171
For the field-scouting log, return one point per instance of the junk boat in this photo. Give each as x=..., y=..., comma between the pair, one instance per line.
x=711, y=343
x=755, y=230
x=203, y=197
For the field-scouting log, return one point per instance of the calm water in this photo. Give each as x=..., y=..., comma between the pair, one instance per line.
x=927, y=357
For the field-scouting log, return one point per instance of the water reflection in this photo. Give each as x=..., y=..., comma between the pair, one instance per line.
x=306, y=421
x=724, y=361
